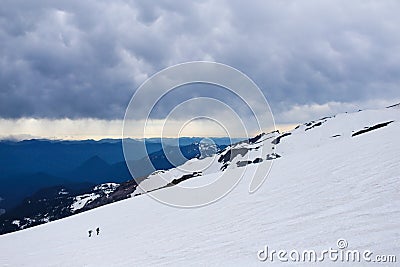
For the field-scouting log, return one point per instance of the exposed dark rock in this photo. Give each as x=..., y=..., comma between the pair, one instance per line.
x=278, y=139
x=223, y=167
x=272, y=156
x=314, y=125
x=183, y=178
x=255, y=139
x=325, y=118
x=367, y=129
x=232, y=153
x=336, y=135
x=317, y=123
x=393, y=106
x=247, y=162
x=243, y=163
x=258, y=160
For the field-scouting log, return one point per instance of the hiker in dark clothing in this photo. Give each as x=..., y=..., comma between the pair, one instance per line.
x=98, y=230
x=90, y=233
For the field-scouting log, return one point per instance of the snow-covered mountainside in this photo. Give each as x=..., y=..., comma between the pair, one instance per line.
x=333, y=178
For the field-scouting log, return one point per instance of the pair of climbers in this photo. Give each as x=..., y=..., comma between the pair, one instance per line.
x=97, y=232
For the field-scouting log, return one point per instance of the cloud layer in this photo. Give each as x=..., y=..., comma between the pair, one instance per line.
x=85, y=59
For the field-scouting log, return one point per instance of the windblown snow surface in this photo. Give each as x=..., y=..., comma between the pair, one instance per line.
x=327, y=185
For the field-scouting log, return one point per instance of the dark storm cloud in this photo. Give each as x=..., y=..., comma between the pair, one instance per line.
x=320, y=51
x=80, y=59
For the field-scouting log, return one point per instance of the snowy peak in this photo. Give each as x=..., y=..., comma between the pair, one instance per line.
x=266, y=147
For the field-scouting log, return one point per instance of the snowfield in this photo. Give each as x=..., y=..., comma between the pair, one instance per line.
x=326, y=185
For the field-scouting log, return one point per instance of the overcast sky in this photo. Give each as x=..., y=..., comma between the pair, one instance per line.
x=81, y=61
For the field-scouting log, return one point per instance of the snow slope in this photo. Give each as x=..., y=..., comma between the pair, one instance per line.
x=326, y=185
